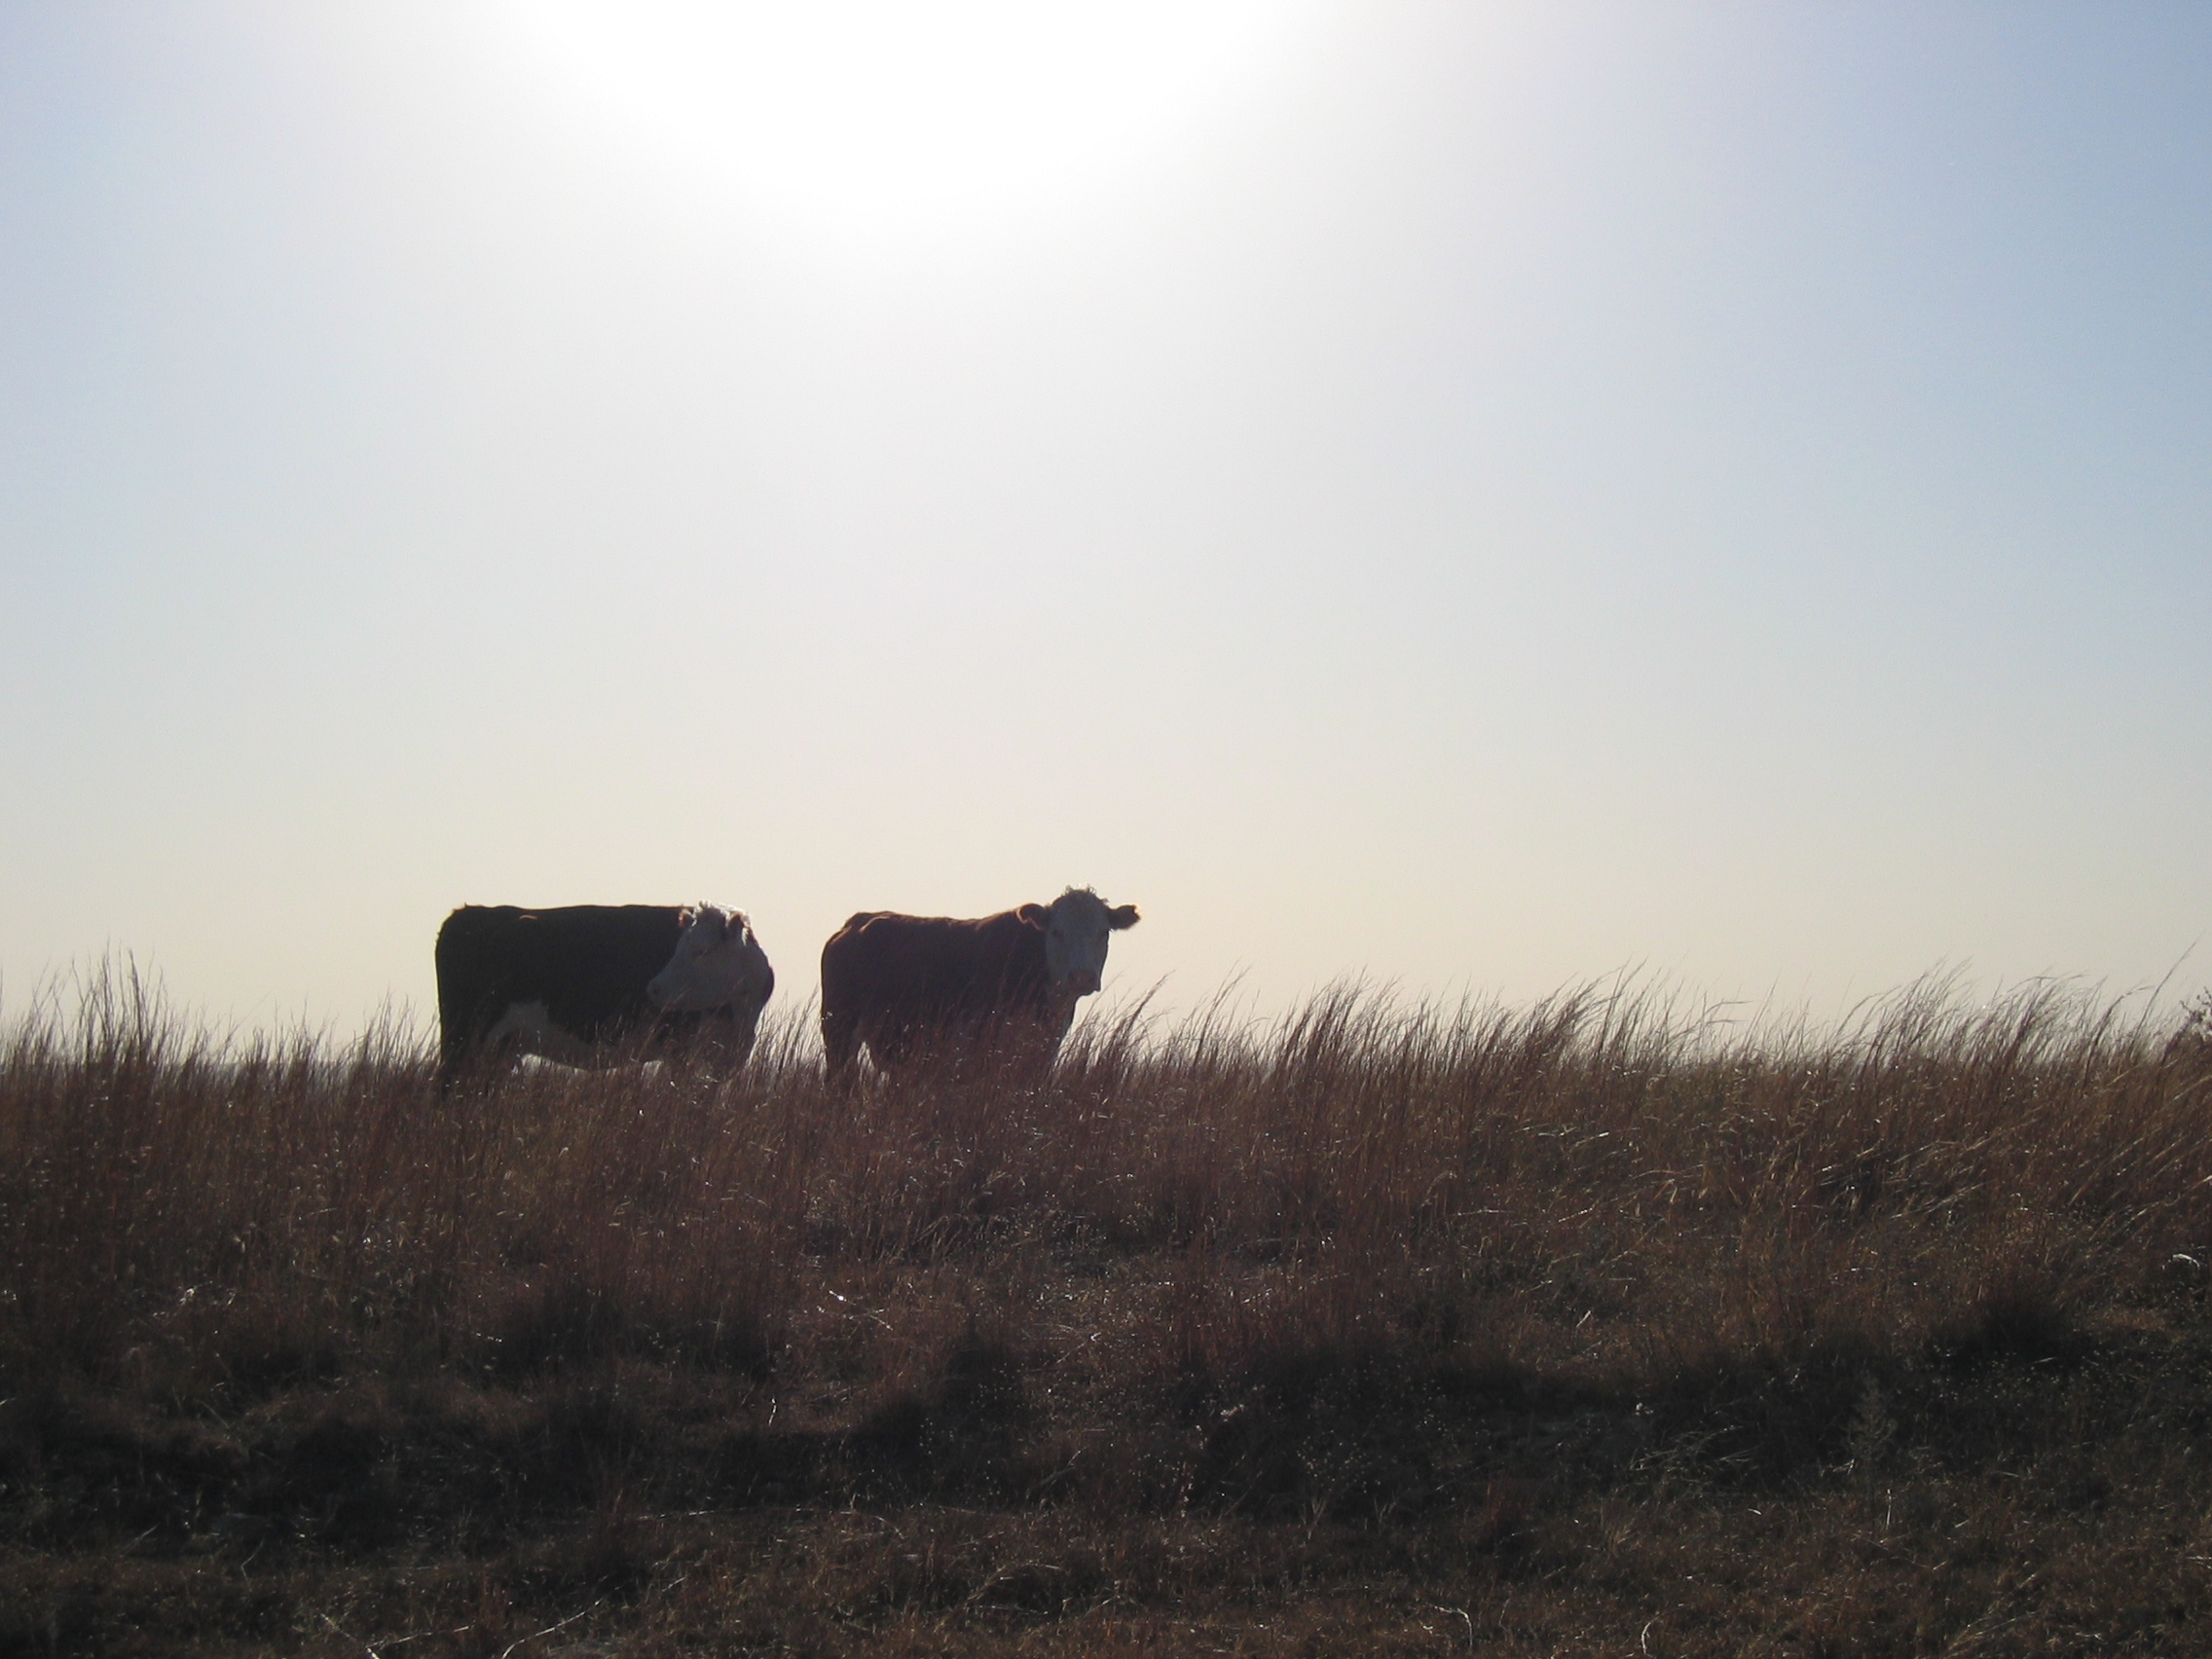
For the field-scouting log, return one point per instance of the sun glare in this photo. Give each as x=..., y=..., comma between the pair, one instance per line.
x=882, y=115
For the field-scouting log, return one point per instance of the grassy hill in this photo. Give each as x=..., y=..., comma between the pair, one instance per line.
x=1584, y=1326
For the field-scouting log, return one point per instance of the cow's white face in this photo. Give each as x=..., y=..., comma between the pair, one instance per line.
x=1077, y=930
x=716, y=966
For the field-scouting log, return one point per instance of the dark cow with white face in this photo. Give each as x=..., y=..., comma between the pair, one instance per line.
x=598, y=984
x=905, y=984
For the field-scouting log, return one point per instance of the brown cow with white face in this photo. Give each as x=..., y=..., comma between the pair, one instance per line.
x=903, y=985
x=598, y=984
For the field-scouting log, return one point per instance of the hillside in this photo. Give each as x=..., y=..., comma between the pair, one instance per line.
x=1383, y=1329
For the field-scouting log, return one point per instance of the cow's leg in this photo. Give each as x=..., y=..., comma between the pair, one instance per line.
x=747, y=1032
x=485, y=1059
x=718, y=1046
x=735, y=1050
x=891, y=1047
x=466, y=1044
x=452, y=1053
x=841, y=1048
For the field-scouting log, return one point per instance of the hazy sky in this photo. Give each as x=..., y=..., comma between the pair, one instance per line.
x=1477, y=496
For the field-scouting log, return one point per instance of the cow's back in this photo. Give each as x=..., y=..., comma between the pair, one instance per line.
x=883, y=965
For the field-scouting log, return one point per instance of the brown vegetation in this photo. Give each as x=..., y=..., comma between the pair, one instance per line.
x=1385, y=1329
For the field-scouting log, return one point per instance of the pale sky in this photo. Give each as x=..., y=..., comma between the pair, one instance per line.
x=1476, y=497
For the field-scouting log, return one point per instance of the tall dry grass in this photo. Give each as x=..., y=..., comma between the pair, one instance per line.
x=186, y=1211
x=1604, y=1189
x=1595, y=1324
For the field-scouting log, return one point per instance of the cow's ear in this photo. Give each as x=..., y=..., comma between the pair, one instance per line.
x=1124, y=916
x=1033, y=915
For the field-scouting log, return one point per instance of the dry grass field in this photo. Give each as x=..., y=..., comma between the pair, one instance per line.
x=1588, y=1327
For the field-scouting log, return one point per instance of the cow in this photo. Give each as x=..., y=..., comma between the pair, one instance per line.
x=597, y=985
x=906, y=984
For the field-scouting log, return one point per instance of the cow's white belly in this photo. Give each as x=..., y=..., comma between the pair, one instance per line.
x=530, y=1027
x=527, y=1064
